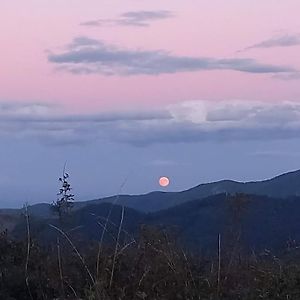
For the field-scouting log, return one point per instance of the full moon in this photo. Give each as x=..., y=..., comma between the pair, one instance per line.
x=164, y=181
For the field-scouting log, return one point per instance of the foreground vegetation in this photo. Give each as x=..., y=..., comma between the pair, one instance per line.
x=150, y=267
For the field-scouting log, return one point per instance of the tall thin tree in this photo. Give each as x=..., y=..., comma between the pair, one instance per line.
x=65, y=200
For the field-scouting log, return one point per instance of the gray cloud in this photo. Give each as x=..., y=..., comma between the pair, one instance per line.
x=51, y=125
x=280, y=41
x=85, y=55
x=91, y=118
x=187, y=122
x=132, y=18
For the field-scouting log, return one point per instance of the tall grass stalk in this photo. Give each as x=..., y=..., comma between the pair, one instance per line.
x=28, y=251
x=76, y=251
x=116, y=248
x=105, y=228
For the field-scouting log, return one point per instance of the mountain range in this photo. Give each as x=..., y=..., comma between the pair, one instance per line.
x=267, y=212
x=282, y=186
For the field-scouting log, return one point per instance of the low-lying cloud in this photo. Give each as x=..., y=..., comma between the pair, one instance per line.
x=132, y=18
x=90, y=56
x=186, y=122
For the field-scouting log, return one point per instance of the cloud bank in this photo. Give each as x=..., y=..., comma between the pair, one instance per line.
x=86, y=55
x=186, y=122
x=132, y=18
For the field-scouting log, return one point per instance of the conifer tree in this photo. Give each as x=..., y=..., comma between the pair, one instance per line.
x=65, y=200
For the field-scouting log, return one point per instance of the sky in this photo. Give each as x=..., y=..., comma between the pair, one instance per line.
x=127, y=91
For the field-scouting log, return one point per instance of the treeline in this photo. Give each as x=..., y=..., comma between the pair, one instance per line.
x=152, y=266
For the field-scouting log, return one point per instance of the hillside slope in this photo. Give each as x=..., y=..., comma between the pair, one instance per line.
x=255, y=222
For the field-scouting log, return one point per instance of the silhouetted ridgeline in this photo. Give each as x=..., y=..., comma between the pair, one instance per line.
x=282, y=186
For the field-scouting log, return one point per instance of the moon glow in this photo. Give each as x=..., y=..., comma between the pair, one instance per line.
x=164, y=181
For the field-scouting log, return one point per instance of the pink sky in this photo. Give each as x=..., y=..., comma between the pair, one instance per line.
x=199, y=125
x=199, y=29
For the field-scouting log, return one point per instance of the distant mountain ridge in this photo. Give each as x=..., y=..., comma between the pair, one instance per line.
x=282, y=186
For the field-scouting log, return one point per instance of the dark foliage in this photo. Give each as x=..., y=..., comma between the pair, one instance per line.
x=153, y=266
x=65, y=201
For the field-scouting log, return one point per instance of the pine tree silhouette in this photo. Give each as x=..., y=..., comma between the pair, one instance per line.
x=65, y=200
